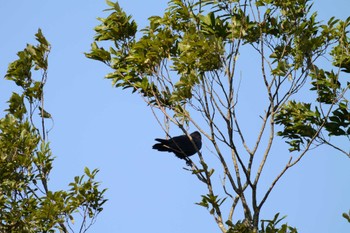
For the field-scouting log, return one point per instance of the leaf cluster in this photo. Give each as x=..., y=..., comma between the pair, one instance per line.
x=300, y=123
x=26, y=202
x=267, y=226
x=307, y=121
x=172, y=39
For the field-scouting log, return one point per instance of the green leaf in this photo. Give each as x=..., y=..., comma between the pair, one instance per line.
x=16, y=106
x=346, y=216
x=43, y=113
x=87, y=171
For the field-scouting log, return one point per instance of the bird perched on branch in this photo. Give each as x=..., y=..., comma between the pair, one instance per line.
x=181, y=146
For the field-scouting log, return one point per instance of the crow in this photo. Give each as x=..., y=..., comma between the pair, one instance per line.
x=181, y=146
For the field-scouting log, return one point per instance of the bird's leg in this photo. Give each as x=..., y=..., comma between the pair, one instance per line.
x=189, y=162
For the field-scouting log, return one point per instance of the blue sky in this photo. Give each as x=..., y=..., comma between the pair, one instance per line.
x=98, y=126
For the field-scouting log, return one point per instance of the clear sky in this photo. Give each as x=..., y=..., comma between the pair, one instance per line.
x=98, y=126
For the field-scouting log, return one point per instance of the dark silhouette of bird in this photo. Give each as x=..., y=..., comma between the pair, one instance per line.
x=181, y=146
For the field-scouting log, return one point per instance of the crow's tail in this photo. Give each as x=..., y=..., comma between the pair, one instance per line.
x=161, y=146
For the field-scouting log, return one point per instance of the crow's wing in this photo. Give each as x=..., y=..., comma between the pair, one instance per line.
x=182, y=146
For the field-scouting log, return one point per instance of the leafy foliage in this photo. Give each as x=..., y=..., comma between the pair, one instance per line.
x=184, y=65
x=272, y=224
x=26, y=202
x=270, y=227
x=300, y=122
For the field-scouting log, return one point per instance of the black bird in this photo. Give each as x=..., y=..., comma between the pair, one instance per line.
x=181, y=146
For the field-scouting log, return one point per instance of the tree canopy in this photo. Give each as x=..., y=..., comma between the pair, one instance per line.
x=186, y=66
x=27, y=204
